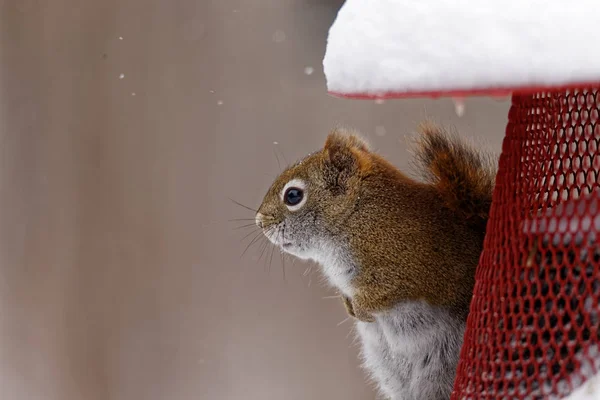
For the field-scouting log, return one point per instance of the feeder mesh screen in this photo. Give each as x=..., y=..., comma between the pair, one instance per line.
x=533, y=329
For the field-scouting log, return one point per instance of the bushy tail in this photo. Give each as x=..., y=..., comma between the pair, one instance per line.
x=464, y=176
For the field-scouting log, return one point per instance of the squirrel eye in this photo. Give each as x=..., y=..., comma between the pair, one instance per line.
x=293, y=196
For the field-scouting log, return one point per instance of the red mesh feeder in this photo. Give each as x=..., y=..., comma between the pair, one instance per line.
x=533, y=328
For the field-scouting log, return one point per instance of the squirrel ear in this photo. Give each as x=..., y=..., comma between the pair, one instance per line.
x=345, y=154
x=342, y=138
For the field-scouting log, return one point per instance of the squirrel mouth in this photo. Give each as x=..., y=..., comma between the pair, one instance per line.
x=286, y=245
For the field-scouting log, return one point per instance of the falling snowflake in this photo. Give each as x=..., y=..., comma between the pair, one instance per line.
x=380, y=130
x=279, y=36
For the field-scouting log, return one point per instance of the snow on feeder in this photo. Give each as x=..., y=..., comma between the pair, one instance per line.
x=533, y=328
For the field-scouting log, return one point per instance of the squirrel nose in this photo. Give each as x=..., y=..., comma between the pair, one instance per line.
x=258, y=219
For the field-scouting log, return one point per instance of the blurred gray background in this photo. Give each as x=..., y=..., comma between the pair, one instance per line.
x=125, y=126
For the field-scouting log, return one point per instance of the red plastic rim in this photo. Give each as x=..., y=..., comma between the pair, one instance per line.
x=487, y=92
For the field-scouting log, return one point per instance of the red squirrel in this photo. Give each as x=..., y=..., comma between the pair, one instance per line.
x=401, y=252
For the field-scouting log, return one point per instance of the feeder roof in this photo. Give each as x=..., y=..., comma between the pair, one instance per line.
x=399, y=48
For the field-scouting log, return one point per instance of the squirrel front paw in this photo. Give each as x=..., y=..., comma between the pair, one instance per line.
x=355, y=312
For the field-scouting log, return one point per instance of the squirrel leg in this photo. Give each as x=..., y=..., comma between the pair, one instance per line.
x=348, y=305
x=356, y=312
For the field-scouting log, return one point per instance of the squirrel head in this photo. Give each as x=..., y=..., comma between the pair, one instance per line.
x=306, y=205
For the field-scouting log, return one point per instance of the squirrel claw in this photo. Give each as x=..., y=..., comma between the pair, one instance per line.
x=359, y=314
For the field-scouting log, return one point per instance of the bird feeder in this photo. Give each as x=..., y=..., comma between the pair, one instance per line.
x=533, y=327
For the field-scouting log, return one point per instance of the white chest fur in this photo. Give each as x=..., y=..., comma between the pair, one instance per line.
x=337, y=267
x=412, y=350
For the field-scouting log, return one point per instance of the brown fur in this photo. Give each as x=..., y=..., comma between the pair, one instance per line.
x=410, y=240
